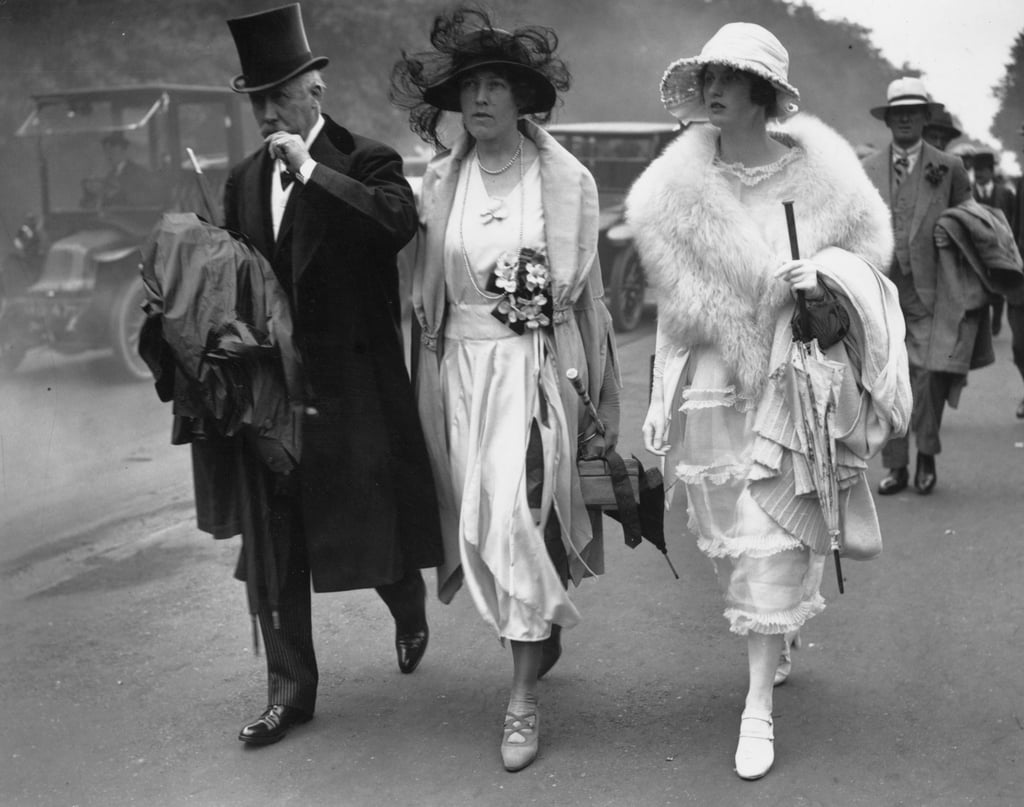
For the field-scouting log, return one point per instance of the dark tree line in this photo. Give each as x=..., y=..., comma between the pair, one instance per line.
x=617, y=52
x=1006, y=126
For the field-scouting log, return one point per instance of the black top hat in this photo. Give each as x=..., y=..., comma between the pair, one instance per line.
x=496, y=48
x=985, y=159
x=272, y=48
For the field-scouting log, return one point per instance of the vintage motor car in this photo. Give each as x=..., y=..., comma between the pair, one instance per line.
x=111, y=161
x=616, y=153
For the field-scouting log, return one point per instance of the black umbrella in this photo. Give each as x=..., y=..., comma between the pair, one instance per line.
x=643, y=519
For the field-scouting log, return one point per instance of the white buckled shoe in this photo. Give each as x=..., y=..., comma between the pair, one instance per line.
x=755, y=751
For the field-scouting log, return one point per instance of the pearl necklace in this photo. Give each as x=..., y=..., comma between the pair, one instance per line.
x=506, y=166
x=487, y=295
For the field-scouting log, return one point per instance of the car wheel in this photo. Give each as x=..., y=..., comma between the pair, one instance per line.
x=126, y=320
x=11, y=355
x=13, y=344
x=625, y=292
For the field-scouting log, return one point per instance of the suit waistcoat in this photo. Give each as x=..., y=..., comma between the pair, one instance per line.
x=904, y=199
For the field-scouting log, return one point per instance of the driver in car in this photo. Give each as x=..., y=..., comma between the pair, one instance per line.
x=126, y=183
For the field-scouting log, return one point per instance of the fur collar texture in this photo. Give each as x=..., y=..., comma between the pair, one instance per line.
x=710, y=257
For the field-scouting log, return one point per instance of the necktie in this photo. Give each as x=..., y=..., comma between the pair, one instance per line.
x=287, y=178
x=900, y=166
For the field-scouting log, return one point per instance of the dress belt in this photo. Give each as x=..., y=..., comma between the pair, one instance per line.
x=467, y=321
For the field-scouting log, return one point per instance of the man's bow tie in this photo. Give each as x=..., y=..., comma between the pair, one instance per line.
x=287, y=178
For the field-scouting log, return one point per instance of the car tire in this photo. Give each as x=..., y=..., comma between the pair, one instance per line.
x=126, y=320
x=11, y=355
x=13, y=344
x=625, y=292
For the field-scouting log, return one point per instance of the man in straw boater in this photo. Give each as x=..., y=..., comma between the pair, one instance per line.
x=918, y=182
x=330, y=210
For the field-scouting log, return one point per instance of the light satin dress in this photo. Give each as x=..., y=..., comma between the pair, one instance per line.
x=493, y=381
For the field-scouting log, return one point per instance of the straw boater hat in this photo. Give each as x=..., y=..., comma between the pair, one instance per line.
x=741, y=46
x=904, y=92
x=491, y=47
x=272, y=48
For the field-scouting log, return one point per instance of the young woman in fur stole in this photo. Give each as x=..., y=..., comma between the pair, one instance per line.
x=710, y=226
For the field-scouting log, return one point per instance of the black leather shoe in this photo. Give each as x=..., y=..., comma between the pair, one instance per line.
x=551, y=651
x=924, y=475
x=895, y=481
x=1020, y=410
x=410, y=648
x=272, y=725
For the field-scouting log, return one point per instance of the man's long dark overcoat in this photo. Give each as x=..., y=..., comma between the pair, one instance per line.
x=367, y=497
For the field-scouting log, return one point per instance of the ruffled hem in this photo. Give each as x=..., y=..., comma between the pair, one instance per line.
x=762, y=545
x=750, y=546
x=695, y=398
x=716, y=475
x=743, y=622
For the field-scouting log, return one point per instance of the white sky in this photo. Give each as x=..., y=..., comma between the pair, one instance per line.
x=962, y=47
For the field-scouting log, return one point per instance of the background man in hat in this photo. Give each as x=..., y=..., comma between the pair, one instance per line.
x=125, y=183
x=330, y=210
x=990, y=191
x=1015, y=301
x=918, y=182
x=941, y=129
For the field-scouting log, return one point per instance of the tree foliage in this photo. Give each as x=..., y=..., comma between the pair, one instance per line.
x=617, y=52
x=1006, y=126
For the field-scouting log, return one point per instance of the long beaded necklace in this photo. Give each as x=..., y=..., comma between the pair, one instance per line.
x=506, y=166
x=487, y=295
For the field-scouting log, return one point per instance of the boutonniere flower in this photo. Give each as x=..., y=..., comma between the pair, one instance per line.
x=524, y=282
x=935, y=173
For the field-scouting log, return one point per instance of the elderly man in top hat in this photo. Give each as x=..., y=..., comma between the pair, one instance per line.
x=330, y=210
x=918, y=182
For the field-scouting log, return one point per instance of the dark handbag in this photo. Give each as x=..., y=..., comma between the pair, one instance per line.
x=608, y=480
x=624, y=491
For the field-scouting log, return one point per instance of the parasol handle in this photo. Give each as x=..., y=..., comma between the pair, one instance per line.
x=794, y=250
x=839, y=570
x=577, y=384
x=201, y=181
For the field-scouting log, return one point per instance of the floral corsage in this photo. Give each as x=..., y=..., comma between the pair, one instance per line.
x=524, y=283
x=935, y=173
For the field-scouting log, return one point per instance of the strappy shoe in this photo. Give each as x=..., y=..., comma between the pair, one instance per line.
x=790, y=642
x=520, y=740
x=755, y=751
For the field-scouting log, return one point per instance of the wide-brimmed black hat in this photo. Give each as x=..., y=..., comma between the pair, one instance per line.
x=494, y=48
x=943, y=120
x=272, y=48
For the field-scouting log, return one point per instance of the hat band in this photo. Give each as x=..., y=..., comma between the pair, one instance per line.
x=917, y=99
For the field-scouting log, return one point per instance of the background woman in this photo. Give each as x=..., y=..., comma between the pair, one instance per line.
x=712, y=235
x=502, y=421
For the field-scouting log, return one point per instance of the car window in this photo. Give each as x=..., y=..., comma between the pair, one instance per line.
x=614, y=160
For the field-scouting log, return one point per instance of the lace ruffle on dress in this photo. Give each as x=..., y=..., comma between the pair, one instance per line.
x=770, y=578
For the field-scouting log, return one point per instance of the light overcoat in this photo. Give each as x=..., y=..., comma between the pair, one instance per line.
x=938, y=182
x=582, y=335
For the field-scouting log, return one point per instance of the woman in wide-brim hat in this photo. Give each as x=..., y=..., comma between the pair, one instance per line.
x=504, y=426
x=708, y=220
